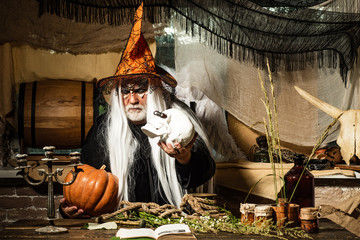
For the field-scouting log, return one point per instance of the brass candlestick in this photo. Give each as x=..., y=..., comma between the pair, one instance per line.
x=49, y=174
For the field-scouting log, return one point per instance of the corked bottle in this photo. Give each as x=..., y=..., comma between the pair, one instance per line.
x=304, y=194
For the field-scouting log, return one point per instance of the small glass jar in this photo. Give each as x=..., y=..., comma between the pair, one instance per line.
x=309, y=219
x=263, y=214
x=247, y=211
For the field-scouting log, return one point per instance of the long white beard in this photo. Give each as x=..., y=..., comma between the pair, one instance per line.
x=135, y=116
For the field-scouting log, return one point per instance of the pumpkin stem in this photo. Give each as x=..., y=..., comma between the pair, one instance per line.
x=103, y=167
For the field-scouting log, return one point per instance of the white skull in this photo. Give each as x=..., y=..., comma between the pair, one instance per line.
x=349, y=136
x=171, y=125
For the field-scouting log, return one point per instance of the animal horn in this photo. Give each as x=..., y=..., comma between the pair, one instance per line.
x=325, y=107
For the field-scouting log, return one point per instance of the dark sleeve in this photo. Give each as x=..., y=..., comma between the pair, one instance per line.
x=200, y=169
x=93, y=150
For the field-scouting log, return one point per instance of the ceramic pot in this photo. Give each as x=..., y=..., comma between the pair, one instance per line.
x=286, y=213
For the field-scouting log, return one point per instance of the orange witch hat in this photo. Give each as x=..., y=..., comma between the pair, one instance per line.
x=136, y=59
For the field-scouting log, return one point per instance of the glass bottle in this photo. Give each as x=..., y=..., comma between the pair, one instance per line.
x=304, y=194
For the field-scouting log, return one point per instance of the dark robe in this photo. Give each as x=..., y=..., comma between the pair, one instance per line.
x=146, y=188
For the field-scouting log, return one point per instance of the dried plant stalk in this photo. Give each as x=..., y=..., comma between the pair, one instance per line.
x=276, y=128
x=269, y=132
x=272, y=131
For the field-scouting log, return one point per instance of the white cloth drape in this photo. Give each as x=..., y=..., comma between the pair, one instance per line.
x=235, y=86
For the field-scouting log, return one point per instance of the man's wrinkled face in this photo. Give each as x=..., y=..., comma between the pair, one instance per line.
x=134, y=98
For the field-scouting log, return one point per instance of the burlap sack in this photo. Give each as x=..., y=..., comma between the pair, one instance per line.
x=346, y=215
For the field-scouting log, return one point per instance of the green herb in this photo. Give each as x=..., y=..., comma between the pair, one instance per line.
x=86, y=226
x=227, y=223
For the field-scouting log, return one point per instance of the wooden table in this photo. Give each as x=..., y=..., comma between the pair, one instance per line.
x=25, y=229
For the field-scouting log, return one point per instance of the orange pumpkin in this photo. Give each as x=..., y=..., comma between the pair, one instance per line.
x=94, y=190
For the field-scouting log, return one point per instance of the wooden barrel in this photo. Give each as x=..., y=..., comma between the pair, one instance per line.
x=55, y=113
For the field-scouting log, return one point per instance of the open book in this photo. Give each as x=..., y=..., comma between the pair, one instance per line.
x=168, y=231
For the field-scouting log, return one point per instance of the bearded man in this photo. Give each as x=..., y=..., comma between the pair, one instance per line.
x=148, y=170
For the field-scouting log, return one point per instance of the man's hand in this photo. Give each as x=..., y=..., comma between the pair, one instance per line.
x=72, y=211
x=181, y=154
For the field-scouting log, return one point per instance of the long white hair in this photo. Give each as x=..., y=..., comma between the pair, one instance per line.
x=121, y=145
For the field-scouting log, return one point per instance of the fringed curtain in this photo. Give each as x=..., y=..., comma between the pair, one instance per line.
x=241, y=29
x=113, y=12
x=288, y=3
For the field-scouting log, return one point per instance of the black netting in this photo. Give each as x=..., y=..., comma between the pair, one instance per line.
x=292, y=39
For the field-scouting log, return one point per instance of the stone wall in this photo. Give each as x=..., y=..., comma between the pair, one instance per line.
x=19, y=200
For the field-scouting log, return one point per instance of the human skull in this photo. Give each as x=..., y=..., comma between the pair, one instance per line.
x=171, y=125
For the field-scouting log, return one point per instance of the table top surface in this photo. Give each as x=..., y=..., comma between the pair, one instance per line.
x=25, y=229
